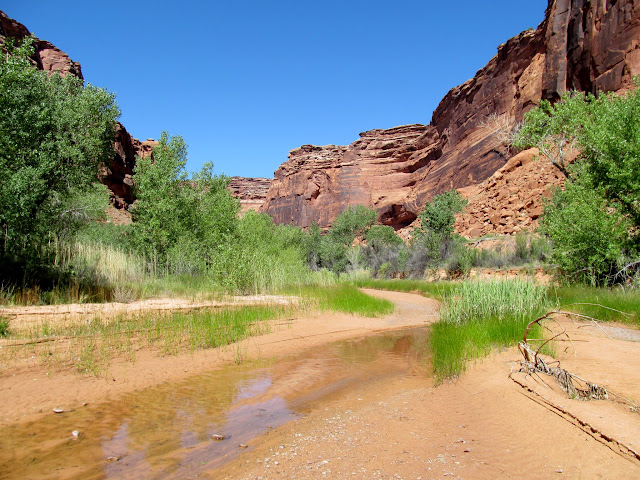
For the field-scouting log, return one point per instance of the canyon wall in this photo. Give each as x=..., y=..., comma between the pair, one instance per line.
x=581, y=44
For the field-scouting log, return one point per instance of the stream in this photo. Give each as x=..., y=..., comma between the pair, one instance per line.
x=177, y=429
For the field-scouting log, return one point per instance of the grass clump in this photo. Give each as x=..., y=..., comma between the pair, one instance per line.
x=346, y=298
x=91, y=345
x=432, y=289
x=479, y=316
x=627, y=301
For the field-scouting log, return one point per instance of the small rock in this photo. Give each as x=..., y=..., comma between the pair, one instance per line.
x=242, y=445
x=58, y=410
x=218, y=438
x=75, y=434
x=112, y=459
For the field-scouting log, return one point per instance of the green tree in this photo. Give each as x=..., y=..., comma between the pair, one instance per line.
x=593, y=223
x=54, y=133
x=182, y=223
x=353, y=222
x=589, y=239
x=439, y=215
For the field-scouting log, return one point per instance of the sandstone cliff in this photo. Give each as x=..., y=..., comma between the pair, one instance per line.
x=581, y=44
x=250, y=191
x=48, y=57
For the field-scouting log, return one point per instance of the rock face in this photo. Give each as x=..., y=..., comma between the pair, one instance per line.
x=581, y=44
x=510, y=200
x=48, y=57
x=118, y=174
x=250, y=191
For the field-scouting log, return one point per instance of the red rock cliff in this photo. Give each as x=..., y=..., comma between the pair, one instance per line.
x=581, y=44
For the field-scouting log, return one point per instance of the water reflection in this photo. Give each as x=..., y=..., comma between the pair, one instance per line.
x=166, y=431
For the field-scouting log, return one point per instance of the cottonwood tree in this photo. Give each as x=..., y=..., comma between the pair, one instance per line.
x=180, y=223
x=594, y=222
x=54, y=133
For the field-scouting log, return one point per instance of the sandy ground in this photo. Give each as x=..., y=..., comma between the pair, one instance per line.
x=483, y=425
x=492, y=423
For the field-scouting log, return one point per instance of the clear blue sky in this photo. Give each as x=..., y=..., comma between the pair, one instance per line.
x=244, y=82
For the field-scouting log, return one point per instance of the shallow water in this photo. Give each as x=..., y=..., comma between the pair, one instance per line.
x=165, y=431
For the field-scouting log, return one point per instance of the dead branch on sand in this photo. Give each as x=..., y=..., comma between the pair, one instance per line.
x=575, y=386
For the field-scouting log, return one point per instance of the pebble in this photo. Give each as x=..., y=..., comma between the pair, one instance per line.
x=217, y=437
x=58, y=410
x=242, y=445
x=75, y=434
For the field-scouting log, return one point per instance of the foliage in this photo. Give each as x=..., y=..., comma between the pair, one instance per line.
x=54, y=133
x=593, y=223
x=4, y=327
x=553, y=128
x=331, y=251
x=475, y=300
x=182, y=224
x=263, y=256
x=588, y=238
x=438, y=216
x=348, y=299
x=478, y=316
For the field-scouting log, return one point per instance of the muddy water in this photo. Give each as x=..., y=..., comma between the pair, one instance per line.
x=166, y=431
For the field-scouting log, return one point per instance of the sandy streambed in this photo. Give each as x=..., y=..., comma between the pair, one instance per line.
x=481, y=426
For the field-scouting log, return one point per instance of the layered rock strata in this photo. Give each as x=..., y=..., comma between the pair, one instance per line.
x=250, y=191
x=581, y=44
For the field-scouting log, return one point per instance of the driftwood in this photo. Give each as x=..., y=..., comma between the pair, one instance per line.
x=575, y=386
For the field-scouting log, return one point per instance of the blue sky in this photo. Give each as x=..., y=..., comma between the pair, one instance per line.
x=244, y=82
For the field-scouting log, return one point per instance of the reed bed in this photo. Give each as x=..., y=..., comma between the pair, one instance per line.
x=479, y=316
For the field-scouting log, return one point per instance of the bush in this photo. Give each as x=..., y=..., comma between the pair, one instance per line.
x=588, y=238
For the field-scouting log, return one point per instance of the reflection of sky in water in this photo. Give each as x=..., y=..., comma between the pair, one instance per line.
x=251, y=388
x=194, y=426
x=165, y=432
x=239, y=424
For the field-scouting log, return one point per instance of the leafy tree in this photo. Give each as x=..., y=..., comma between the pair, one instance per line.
x=352, y=222
x=179, y=222
x=593, y=223
x=553, y=128
x=54, y=133
x=589, y=239
x=438, y=216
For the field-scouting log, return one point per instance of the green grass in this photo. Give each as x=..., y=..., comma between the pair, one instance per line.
x=91, y=345
x=433, y=289
x=626, y=301
x=343, y=298
x=479, y=316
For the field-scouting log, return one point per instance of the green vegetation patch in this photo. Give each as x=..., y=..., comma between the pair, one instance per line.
x=627, y=301
x=348, y=299
x=479, y=316
x=91, y=345
x=433, y=289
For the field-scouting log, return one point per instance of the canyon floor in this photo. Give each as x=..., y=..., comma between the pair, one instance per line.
x=492, y=422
